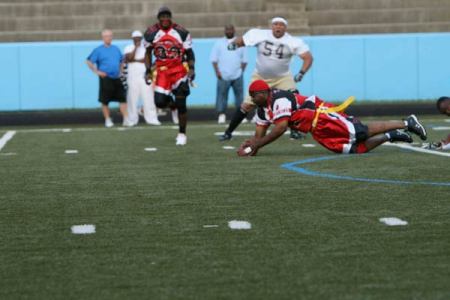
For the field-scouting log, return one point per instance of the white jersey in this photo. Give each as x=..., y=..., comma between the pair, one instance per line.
x=274, y=54
x=136, y=69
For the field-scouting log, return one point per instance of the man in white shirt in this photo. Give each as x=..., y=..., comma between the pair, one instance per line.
x=229, y=67
x=137, y=87
x=275, y=49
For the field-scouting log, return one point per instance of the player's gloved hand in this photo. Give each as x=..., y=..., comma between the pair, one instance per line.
x=148, y=76
x=191, y=74
x=232, y=46
x=299, y=76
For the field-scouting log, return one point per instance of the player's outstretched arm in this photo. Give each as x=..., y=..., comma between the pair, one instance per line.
x=307, y=63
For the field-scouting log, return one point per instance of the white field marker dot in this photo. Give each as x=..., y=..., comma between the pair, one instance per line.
x=71, y=152
x=83, y=229
x=308, y=145
x=228, y=147
x=235, y=224
x=210, y=226
x=391, y=221
x=151, y=149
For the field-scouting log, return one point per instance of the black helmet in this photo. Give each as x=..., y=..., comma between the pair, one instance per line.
x=164, y=10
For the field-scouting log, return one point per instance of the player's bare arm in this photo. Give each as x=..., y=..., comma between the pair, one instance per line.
x=275, y=133
x=94, y=69
x=307, y=63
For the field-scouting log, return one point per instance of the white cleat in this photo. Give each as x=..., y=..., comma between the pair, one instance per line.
x=175, y=116
x=181, y=139
x=109, y=123
x=222, y=119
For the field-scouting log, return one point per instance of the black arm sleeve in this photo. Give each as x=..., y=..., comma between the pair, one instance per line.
x=190, y=56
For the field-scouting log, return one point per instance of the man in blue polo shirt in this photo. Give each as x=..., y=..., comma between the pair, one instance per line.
x=229, y=67
x=106, y=61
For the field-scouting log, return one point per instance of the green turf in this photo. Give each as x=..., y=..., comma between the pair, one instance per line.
x=311, y=237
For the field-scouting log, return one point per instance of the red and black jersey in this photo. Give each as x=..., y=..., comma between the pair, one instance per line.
x=168, y=45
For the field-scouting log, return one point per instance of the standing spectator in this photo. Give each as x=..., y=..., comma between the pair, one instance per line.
x=137, y=87
x=443, y=106
x=107, y=61
x=171, y=45
x=275, y=49
x=229, y=67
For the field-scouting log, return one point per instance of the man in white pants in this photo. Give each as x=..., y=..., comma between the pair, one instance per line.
x=137, y=88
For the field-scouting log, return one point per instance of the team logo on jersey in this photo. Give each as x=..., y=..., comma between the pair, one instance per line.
x=168, y=49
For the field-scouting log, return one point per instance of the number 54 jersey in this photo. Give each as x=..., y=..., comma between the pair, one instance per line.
x=274, y=54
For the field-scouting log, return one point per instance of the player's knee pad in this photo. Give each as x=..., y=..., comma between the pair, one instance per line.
x=162, y=100
x=181, y=104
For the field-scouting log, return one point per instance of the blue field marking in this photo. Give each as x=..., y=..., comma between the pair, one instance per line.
x=294, y=166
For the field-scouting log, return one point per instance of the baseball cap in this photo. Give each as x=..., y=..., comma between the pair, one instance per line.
x=258, y=86
x=136, y=33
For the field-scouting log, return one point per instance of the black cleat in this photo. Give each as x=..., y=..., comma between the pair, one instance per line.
x=399, y=136
x=225, y=137
x=296, y=135
x=414, y=126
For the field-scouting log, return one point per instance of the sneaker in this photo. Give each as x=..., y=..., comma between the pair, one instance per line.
x=225, y=137
x=296, y=135
x=127, y=123
x=244, y=121
x=109, y=123
x=399, y=136
x=175, y=116
x=222, y=119
x=414, y=126
x=154, y=122
x=181, y=139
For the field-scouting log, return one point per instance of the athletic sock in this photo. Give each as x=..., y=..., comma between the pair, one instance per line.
x=237, y=118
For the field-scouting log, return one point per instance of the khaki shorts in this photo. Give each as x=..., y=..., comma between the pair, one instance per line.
x=282, y=83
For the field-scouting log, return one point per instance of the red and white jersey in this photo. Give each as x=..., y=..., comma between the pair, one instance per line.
x=273, y=54
x=169, y=46
x=288, y=106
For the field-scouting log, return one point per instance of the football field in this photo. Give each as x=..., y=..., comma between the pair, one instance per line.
x=199, y=222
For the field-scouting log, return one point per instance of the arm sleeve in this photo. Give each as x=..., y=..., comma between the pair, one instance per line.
x=300, y=47
x=282, y=108
x=253, y=37
x=93, y=57
x=214, y=56
x=187, y=43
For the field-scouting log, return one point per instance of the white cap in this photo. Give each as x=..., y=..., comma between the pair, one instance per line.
x=279, y=19
x=136, y=33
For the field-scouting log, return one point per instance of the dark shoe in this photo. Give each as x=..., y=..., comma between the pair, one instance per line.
x=296, y=135
x=399, y=136
x=225, y=137
x=415, y=127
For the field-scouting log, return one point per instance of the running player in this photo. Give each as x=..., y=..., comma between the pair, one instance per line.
x=327, y=123
x=275, y=49
x=171, y=45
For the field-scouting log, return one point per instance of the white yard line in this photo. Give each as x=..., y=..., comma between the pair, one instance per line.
x=417, y=149
x=239, y=225
x=441, y=128
x=392, y=221
x=5, y=138
x=83, y=229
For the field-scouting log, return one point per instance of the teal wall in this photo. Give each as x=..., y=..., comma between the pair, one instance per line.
x=53, y=75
